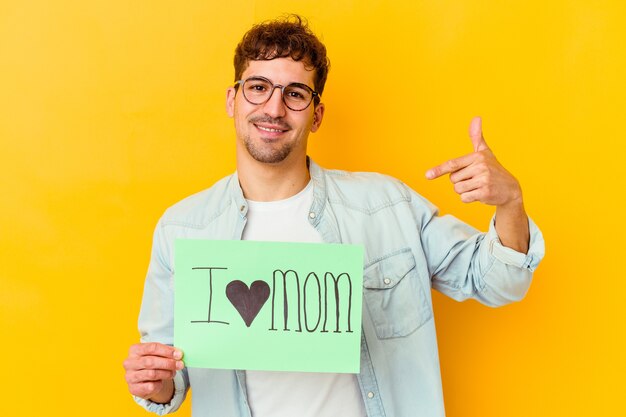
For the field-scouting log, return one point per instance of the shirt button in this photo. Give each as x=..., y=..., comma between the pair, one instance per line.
x=370, y=394
x=387, y=281
x=242, y=208
x=312, y=215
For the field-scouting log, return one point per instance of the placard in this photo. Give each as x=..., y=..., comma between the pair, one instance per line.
x=268, y=305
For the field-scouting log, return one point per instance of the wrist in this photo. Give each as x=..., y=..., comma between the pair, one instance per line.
x=514, y=202
x=165, y=394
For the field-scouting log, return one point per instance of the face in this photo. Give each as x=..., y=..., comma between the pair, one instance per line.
x=272, y=133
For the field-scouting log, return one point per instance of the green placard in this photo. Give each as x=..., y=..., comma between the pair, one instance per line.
x=269, y=305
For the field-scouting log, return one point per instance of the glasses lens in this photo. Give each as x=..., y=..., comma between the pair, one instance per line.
x=257, y=90
x=297, y=96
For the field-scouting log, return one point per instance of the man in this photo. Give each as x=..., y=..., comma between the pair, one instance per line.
x=278, y=193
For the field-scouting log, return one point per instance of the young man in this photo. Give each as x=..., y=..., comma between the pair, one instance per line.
x=278, y=193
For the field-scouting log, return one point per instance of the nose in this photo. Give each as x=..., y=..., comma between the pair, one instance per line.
x=274, y=106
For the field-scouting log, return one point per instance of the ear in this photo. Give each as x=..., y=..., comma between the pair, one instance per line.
x=318, y=115
x=230, y=101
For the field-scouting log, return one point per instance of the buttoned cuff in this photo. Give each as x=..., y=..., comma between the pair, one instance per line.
x=173, y=405
x=530, y=260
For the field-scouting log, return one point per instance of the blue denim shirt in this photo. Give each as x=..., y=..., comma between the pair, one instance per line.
x=409, y=249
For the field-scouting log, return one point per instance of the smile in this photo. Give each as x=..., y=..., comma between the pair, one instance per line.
x=269, y=129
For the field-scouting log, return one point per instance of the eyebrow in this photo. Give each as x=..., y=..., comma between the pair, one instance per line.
x=290, y=83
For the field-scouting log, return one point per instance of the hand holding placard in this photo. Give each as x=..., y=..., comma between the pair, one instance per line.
x=150, y=369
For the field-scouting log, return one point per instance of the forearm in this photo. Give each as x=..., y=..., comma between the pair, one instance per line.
x=512, y=225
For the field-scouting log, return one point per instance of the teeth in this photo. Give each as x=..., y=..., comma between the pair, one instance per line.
x=267, y=129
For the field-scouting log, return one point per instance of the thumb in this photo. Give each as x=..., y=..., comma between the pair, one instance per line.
x=476, y=134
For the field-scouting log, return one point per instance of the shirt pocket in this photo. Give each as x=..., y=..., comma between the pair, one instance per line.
x=394, y=295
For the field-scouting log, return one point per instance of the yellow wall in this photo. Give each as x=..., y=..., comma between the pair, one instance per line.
x=110, y=111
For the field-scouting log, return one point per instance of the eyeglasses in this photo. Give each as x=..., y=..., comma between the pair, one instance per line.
x=296, y=96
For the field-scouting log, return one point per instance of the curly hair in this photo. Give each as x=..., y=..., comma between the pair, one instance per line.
x=289, y=36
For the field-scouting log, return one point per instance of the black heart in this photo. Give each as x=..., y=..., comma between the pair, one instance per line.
x=248, y=302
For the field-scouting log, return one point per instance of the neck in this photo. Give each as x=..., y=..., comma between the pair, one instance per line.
x=270, y=182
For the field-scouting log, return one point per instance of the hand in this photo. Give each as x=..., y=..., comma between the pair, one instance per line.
x=479, y=176
x=150, y=370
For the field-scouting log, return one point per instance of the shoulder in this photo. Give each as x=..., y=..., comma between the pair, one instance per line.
x=201, y=208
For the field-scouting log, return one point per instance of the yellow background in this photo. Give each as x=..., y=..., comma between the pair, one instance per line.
x=110, y=111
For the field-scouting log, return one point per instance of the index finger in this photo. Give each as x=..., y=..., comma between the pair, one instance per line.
x=450, y=166
x=155, y=349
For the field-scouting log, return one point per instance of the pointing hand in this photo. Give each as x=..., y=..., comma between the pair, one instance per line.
x=479, y=176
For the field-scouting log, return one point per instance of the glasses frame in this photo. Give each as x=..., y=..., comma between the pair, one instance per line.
x=315, y=96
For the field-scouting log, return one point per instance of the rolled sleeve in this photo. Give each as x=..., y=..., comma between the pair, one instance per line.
x=529, y=260
x=508, y=273
x=464, y=263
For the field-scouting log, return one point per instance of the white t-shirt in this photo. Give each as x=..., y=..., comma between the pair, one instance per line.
x=290, y=394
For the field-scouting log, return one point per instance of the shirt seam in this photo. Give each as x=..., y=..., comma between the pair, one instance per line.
x=372, y=210
x=387, y=256
x=191, y=225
